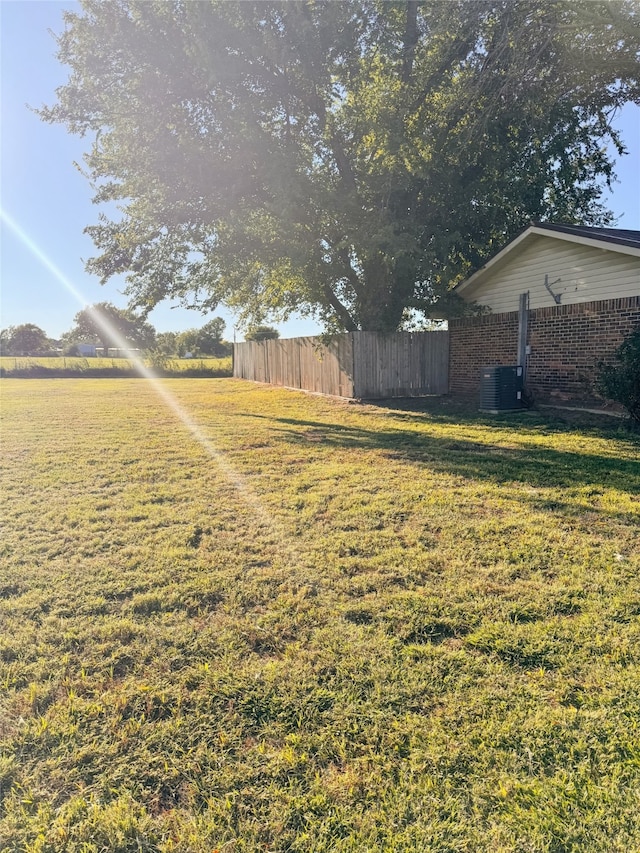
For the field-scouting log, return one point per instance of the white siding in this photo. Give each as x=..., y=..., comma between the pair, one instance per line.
x=586, y=274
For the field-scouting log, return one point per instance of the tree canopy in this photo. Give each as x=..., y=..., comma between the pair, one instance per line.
x=26, y=339
x=204, y=341
x=261, y=333
x=349, y=160
x=109, y=326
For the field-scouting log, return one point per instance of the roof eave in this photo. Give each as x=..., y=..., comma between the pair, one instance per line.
x=608, y=244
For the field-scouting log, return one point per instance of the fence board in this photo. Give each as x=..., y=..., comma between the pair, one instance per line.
x=305, y=363
x=405, y=364
x=360, y=364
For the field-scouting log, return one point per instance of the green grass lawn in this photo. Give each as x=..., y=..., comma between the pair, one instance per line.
x=69, y=367
x=320, y=627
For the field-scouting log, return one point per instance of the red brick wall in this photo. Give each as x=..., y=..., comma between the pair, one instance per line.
x=567, y=342
x=478, y=342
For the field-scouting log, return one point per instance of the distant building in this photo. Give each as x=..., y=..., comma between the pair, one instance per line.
x=86, y=350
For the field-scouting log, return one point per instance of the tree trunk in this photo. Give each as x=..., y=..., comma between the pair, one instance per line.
x=388, y=287
x=381, y=305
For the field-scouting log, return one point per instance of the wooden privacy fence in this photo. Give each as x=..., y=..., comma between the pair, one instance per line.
x=304, y=363
x=365, y=365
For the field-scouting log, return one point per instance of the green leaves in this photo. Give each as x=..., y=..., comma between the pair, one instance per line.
x=346, y=159
x=620, y=381
x=111, y=327
x=26, y=339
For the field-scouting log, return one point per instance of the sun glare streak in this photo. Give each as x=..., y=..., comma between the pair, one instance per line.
x=12, y=225
x=234, y=477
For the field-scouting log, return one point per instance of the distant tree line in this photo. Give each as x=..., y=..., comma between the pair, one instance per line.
x=107, y=327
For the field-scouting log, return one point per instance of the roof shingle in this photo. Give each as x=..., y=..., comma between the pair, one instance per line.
x=622, y=236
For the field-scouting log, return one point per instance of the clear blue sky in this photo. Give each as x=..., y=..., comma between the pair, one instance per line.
x=50, y=200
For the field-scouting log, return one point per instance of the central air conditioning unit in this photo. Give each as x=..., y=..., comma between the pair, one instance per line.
x=501, y=389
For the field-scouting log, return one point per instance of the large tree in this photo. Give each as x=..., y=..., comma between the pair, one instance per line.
x=205, y=341
x=26, y=339
x=166, y=343
x=261, y=333
x=348, y=159
x=109, y=326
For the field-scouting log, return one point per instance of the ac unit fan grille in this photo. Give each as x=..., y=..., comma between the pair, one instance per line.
x=501, y=388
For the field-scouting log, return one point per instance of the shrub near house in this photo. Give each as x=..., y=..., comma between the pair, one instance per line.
x=620, y=381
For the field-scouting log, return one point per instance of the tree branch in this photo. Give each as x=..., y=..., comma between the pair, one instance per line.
x=458, y=51
x=410, y=40
x=351, y=274
x=341, y=312
x=315, y=103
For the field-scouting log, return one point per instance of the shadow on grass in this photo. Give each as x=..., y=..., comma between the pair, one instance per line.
x=461, y=410
x=532, y=465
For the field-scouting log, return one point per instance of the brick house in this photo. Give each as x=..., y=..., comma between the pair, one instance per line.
x=560, y=299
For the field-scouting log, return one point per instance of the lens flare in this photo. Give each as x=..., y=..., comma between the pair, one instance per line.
x=265, y=519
